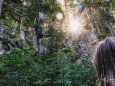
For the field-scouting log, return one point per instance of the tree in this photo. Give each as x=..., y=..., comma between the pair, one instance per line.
x=23, y=15
x=99, y=12
x=1, y=3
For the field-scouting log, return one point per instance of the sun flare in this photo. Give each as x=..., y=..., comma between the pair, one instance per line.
x=76, y=24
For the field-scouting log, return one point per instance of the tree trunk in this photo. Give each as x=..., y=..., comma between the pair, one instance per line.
x=22, y=34
x=91, y=24
x=1, y=3
x=35, y=38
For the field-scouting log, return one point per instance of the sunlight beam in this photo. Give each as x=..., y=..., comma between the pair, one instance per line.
x=76, y=24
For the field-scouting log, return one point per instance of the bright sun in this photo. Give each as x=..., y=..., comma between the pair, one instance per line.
x=75, y=24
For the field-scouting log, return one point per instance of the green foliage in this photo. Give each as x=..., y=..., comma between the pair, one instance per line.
x=23, y=67
x=54, y=40
x=85, y=74
x=74, y=71
x=7, y=20
x=16, y=9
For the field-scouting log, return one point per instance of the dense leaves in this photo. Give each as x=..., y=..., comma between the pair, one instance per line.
x=25, y=68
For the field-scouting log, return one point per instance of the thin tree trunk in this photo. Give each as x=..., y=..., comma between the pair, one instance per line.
x=111, y=29
x=91, y=24
x=1, y=3
x=22, y=34
x=97, y=27
x=35, y=38
x=108, y=24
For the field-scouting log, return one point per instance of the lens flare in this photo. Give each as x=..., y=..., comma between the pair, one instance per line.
x=76, y=24
x=59, y=16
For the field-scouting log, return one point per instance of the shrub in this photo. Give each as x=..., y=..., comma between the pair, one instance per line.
x=23, y=67
x=74, y=73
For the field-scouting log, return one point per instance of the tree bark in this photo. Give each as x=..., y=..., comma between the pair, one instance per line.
x=22, y=34
x=35, y=38
x=1, y=3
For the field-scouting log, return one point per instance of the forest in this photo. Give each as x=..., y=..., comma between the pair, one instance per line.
x=52, y=42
